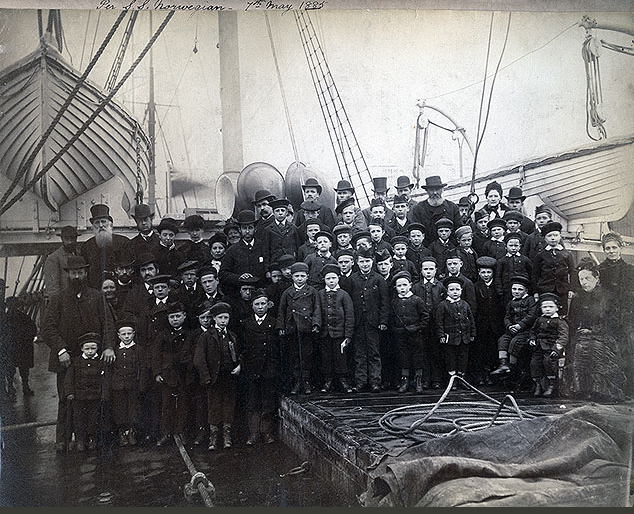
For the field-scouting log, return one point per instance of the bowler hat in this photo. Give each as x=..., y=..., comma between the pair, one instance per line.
x=286, y=260
x=261, y=195
x=220, y=308
x=76, y=262
x=310, y=205
x=549, y=297
x=145, y=258
x=380, y=184
x=433, y=181
x=142, y=210
x=515, y=193
x=99, y=211
x=89, y=337
x=246, y=217
x=330, y=268
x=486, y=262
x=168, y=224
x=299, y=267
x=551, y=226
x=124, y=260
x=402, y=274
x=349, y=201
x=312, y=182
x=194, y=222
x=344, y=185
x=520, y=279
x=68, y=231
x=280, y=202
x=403, y=181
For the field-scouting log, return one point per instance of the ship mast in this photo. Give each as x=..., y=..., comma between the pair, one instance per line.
x=151, y=133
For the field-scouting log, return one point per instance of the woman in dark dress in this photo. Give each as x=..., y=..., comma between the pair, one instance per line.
x=593, y=357
x=494, y=207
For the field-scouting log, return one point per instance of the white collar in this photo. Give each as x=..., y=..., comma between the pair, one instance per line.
x=221, y=330
x=329, y=290
x=500, y=239
x=488, y=284
x=146, y=237
x=299, y=288
x=467, y=250
x=89, y=358
x=159, y=301
x=168, y=247
x=555, y=315
x=123, y=346
x=401, y=223
x=516, y=254
x=406, y=295
x=557, y=247
x=258, y=318
x=327, y=256
x=453, y=301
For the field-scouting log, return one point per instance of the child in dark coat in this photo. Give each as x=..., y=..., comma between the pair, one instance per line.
x=299, y=318
x=511, y=265
x=124, y=382
x=337, y=322
x=455, y=327
x=548, y=337
x=495, y=246
x=198, y=392
x=173, y=370
x=84, y=386
x=409, y=319
x=441, y=247
x=217, y=361
x=261, y=366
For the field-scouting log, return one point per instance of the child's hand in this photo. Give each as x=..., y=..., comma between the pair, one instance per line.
x=159, y=379
x=282, y=331
x=532, y=342
x=345, y=343
x=382, y=327
x=315, y=328
x=64, y=359
x=70, y=397
x=236, y=370
x=514, y=329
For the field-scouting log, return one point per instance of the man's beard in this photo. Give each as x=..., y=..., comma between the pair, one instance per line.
x=435, y=201
x=103, y=237
x=76, y=284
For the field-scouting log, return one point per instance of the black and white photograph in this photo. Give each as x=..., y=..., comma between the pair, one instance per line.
x=316, y=253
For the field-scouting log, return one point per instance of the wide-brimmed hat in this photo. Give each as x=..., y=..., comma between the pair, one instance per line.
x=403, y=181
x=312, y=182
x=142, y=210
x=515, y=193
x=76, y=262
x=344, y=185
x=261, y=195
x=433, y=181
x=99, y=211
x=246, y=217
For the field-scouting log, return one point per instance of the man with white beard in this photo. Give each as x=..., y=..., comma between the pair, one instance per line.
x=102, y=250
x=429, y=211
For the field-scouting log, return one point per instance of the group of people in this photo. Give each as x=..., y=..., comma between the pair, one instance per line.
x=152, y=337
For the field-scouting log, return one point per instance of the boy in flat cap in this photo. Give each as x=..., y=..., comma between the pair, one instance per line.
x=400, y=262
x=553, y=267
x=196, y=248
x=337, y=321
x=548, y=337
x=343, y=237
x=432, y=291
x=312, y=227
x=125, y=382
x=464, y=237
x=261, y=367
x=495, y=246
x=202, y=313
x=298, y=319
x=217, y=359
x=316, y=261
x=442, y=245
x=480, y=232
x=400, y=221
x=84, y=386
x=168, y=257
x=521, y=313
x=513, y=220
x=417, y=250
x=512, y=264
x=348, y=213
x=173, y=370
x=371, y=299
x=279, y=237
x=488, y=318
x=409, y=319
x=535, y=242
x=455, y=328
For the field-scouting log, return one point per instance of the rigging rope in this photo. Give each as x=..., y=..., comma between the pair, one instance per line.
x=92, y=117
x=590, y=52
x=27, y=164
x=279, y=80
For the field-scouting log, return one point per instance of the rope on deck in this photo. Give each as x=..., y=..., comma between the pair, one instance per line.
x=198, y=481
x=442, y=419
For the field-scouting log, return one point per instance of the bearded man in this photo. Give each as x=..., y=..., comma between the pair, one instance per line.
x=432, y=209
x=102, y=250
x=55, y=278
x=74, y=311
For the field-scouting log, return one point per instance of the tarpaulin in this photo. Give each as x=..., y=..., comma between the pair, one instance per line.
x=580, y=458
